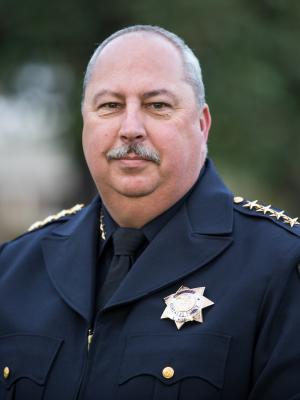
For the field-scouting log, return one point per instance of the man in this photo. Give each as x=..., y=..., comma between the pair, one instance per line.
x=206, y=306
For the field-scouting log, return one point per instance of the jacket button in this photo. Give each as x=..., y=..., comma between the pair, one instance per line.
x=6, y=372
x=238, y=199
x=168, y=372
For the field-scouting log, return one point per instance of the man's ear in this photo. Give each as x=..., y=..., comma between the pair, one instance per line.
x=205, y=121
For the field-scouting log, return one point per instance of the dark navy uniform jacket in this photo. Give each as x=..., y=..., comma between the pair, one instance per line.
x=248, y=346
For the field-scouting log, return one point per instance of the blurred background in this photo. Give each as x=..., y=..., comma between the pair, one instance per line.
x=250, y=56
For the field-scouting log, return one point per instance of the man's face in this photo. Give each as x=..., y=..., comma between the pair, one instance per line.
x=137, y=95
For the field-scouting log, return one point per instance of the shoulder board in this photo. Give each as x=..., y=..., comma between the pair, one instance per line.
x=52, y=218
x=277, y=216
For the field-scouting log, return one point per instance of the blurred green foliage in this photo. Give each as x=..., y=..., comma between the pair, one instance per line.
x=249, y=51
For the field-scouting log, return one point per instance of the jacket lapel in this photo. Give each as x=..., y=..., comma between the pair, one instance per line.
x=70, y=254
x=198, y=233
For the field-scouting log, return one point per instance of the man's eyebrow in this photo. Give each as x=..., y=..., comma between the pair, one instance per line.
x=104, y=92
x=145, y=96
x=158, y=92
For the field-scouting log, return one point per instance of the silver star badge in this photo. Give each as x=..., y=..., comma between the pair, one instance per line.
x=186, y=305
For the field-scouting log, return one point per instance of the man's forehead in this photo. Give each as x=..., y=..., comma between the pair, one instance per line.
x=137, y=43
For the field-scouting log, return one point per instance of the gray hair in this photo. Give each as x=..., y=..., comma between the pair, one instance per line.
x=193, y=74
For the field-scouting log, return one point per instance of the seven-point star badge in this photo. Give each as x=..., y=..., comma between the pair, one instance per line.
x=186, y=305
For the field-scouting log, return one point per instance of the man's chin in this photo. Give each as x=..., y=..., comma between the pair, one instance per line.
x=135, y=192
x=134, y=189
x=134, y=186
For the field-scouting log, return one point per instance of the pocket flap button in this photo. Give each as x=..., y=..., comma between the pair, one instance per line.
x=6, y=372
x=168, y=372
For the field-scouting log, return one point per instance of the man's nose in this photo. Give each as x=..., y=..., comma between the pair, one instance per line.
x=132, y=126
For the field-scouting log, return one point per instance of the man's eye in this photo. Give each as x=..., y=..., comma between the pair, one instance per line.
x=109, y=108
x=110, y=105
x=159, y=105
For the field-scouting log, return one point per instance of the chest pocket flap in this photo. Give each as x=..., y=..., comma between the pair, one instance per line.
x=26, y=356
x=189, y=355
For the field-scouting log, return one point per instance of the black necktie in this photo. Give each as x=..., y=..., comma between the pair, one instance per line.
x=126, y=244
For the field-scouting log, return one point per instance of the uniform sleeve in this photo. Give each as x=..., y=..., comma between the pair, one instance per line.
x=276, y=373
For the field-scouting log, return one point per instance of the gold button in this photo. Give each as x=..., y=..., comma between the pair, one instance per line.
x=238, y=199
x=6, y=372
x=168, y=372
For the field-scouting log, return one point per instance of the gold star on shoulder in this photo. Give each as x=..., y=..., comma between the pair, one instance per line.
x=267, y=210
x=251, y=204
x=291, y=221
x=186, y=305
x=277, y=214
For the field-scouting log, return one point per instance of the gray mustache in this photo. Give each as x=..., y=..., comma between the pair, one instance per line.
x=140, y=150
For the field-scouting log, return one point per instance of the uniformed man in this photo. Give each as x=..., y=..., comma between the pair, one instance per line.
x=166, y=286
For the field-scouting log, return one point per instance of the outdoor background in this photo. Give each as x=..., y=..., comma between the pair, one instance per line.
x=250, y=56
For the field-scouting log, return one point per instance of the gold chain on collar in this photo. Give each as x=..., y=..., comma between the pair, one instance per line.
x=102, y=226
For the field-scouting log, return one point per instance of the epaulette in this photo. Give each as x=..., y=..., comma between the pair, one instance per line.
x=273, y=214
x=55, y=217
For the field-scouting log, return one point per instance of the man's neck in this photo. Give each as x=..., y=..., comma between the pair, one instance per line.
x=136, y=212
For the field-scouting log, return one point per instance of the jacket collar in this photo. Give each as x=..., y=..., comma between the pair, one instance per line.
x=210, y=207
